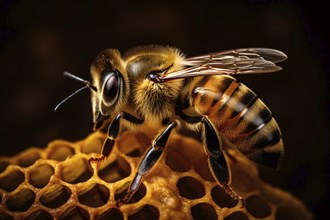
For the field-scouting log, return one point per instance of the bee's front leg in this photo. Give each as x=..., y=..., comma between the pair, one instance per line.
x=149, y=159
x=112, y=134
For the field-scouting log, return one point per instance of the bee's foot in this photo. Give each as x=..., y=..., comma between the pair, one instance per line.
x=96, y=159
x=120, y=202
x=234, y=195
x=124, y=200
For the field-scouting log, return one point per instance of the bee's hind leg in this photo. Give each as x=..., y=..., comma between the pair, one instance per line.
x=148, y=161
x=112, y=134
x=217, y=160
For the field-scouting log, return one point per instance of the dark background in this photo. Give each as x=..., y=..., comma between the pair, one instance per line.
x=41, y=39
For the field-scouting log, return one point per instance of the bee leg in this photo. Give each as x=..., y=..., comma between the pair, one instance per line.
x=148, y=161
x=217, y=160
x=113, y=131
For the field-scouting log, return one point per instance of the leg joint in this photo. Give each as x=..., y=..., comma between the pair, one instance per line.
x=161, y=140
x=213, y=145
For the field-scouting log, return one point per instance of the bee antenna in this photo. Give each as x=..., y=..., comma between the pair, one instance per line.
x=66, y=99
x=87, y=85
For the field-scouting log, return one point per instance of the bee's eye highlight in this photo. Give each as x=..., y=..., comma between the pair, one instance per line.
x=110, y=89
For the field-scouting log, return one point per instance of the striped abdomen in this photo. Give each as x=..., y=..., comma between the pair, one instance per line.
x=240, y=116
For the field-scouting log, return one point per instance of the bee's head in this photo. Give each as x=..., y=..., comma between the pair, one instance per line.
x=112, y=88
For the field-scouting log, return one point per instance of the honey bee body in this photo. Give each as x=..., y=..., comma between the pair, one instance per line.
x=158, y=88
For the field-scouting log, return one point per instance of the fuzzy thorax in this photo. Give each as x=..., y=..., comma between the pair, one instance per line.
x=156, y=101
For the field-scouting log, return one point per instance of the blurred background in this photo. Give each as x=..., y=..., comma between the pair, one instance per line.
x=41, y=39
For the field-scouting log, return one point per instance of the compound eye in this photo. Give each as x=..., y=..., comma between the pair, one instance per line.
x=110, y=89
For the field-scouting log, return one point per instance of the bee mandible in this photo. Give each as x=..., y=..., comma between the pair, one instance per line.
x=159, y=87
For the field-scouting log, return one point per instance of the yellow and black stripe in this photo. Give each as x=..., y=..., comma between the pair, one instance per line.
x=240, y=116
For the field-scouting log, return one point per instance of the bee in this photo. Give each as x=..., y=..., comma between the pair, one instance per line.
x=158, y=87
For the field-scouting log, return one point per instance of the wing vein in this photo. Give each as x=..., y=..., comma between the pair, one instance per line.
x=231, y=62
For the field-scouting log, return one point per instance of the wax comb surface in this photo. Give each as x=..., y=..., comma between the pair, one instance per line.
x=58, y=182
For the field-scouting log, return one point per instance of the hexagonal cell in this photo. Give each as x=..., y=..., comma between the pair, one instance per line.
x=92, y=144
x=74, y=212
x=113, y=214
x=257, y=206
x=21, y=201
x=238, y=215
x=11, y=180
x=221, y=198
x=5, y=216
x=190, y=188
x=3, y=165
x=202, y=168
x=28, y=157
x=146, y=212
x=177, y=161
x=40, y=175
x=203, y=211
x=115, y=171
x=76, y=170
x=140, y=193
x=59, y=151
x=40, y=215
x=55, y=196
x=93, y=195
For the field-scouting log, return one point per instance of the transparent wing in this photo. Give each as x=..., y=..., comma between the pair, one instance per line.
x=231, y=62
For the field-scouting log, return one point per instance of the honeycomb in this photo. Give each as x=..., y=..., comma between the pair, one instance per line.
x=58, y=182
